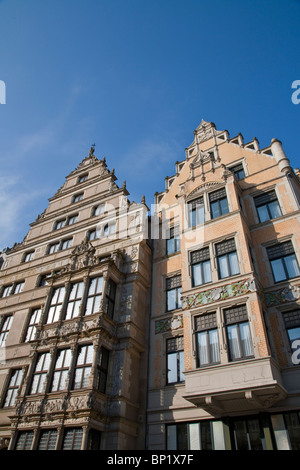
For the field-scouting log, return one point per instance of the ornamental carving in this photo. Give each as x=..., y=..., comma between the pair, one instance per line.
x=83, y=255
x=169, y=324
x=219, y=293
x=281, y=296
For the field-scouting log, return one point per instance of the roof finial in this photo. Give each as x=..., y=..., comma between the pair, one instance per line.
x=92, y=150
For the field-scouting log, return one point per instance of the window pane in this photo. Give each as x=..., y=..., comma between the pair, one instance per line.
x=224, y=206
x=207, y=271
x=215, y=209
x=274, y=209
x=171, y=299
x=233, y=341
x=263, y=213
x=181, y=366
x=172, y=367
x=292, y=266
x=223, y=266
x=214, y=346
x=234, y=265
x=278, y=270
x=202, y=348
x=197, y=274
x=246, y=339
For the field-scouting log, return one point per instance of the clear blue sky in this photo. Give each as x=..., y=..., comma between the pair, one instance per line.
x=136, y=77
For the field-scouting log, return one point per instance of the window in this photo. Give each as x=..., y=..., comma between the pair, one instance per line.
x=218, y=203
x=74, y=300
x=173, y=242
x=61, y=369
x=94, y=234
x=18, y=287
x=196, y=213
x=56, y=304
x=5, y=327
x=77, y=197
x=227, y=258
x=7, y=290
x=175, y=360
x=24, y=440
x=201, y=268
x=13, y=388
x=292, y=325
x=35, y=317
x=99, y=210
x=247, y=434
x=40, y=373
x=53, y=248
x=238, y=333
x=102, y=369
x=72, y=439
x=207, y=340
x=109, y=229
x=60, y=224
x=28, y=256
x=173, y=285
x=94, y=296
x=283, y=261
x=190, y=436
x=94, y=440
x=72, y=219
x=238, y=170
x=267, y=206
x=47, y=439
x=43, y=279
x=66, y=244
x=83, y=178
x=292, y=423
x=83, y=366
x=110, y=298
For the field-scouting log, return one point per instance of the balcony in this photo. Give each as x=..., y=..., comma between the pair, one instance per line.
x=244, y=386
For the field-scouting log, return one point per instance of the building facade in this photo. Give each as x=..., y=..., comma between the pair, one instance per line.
x=225, y=319
x=181, y=336
x=74, y=321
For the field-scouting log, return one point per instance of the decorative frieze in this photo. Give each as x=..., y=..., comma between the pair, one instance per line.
x=283, y=295
x=218, y=293
x=169, y=324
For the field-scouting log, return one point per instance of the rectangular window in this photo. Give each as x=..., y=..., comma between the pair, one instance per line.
x=82, y=178
x=94, y=440
x=173, y=285
x=102, y=369
x=74, y=300
x=196, y=212
x=109, y=229
x=201, y=267
x=47, y=439
x=292, y=325
x=40, y=373
x=283, y=261
x=190, y=436
x=94, y=234
x=218, y=203
x=78, y=197
x=66, y=244
x=5, y=327
x=60, y=224
x=173, y=242
x=238, y=170
x=175, y=360
x=35, y=317
x=7, y=290
x=110, y=298
x=24, y=440
x=83, y=366
x=53, y=248
x=247, y=434
x=72, y=439
x=13, y=388
x=207, y=340
x=18, y=287
x=61, y=370
x=238, y=333
x=28, y=256
x=72, y=219
x=94, y=296
x=227, y=258
x=56, y=304
x=43, y=280
x=292, y=423
x=267, y=206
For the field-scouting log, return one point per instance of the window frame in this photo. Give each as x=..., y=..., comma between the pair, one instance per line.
x=178, y=352
x=77, y=198
x=264, y=200
x=31, y=327
x=176, y=289
x=40, y=374
x=226, y=255
x=14, y=385
x=287, y=251
x=5, y=326
x=84, y=366
x=215, y=201
x=193, y=263
x=173, y=242
x=239, y=317
x=209, y=324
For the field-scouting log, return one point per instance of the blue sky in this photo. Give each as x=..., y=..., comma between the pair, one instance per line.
x=136, y=78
